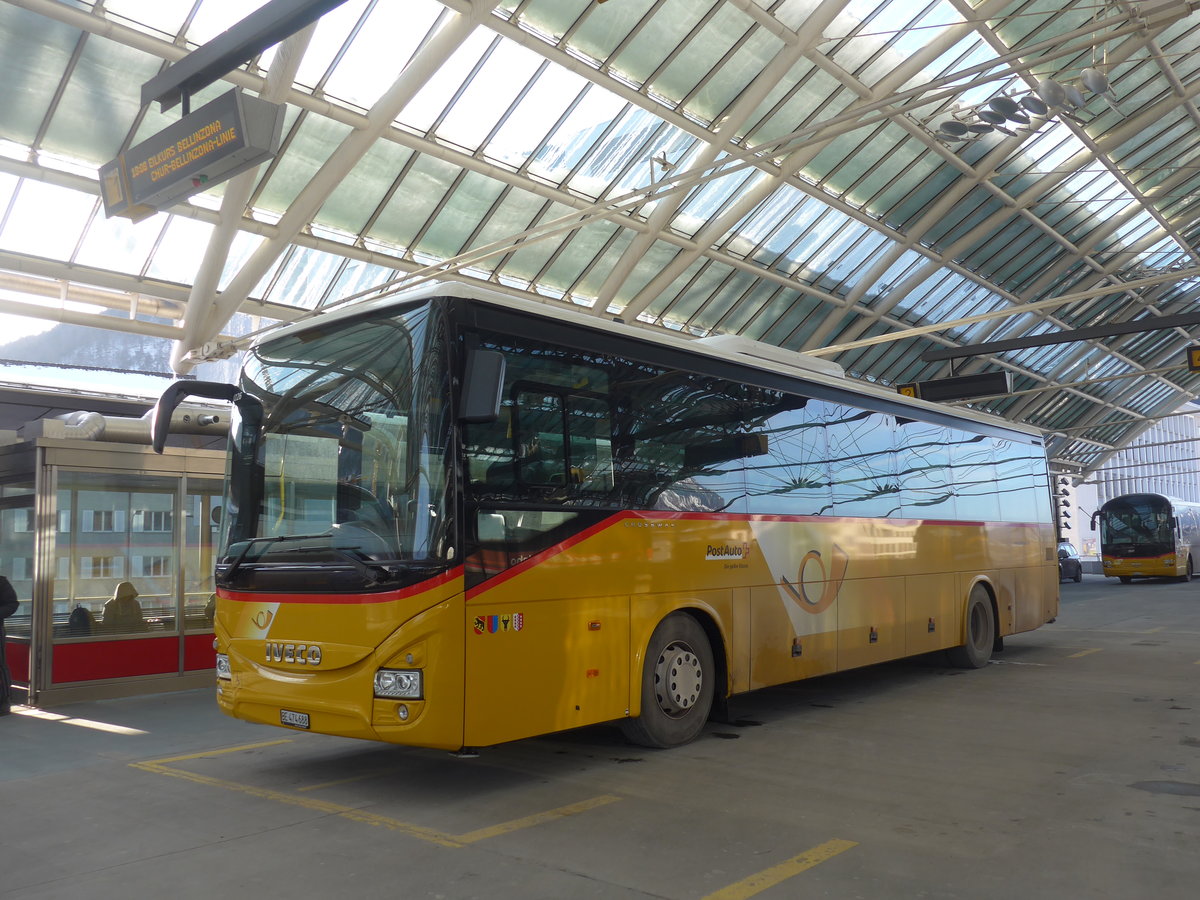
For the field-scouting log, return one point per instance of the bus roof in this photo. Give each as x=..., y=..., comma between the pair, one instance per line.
x=744, y=351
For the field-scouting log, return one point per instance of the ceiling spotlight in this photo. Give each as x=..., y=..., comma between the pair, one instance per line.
x=1094, y=80
x=952, y=128
x=1009, y=109
x=1035, y=105
x=1074, y=96
x=1053, y=93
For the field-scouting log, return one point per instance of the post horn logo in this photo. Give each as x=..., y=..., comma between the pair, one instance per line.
x=812, y=571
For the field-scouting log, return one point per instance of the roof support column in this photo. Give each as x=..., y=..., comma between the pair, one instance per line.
x=791, y=53
x=203, y=295
x=455, y=29
x=711, y=233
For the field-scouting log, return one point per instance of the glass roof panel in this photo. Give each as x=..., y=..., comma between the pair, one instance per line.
x=415, y=200
x=578, y=255
x=380, y=50
x=357, y=276
x=46, y=220
x=357, y=196
x=700, y=61
x=118, y=244
x=478, y=111
x=718, y=92
x=305, y=277
x=573, y=138
x=214, y=16
x=457, y=220
x=309, y=148
x=520, y=134
x=243, y=247
x=424, y=111
x=104, y=91
x=660, y=33
x=164, y=16
x=176, y=258
x=36, y=53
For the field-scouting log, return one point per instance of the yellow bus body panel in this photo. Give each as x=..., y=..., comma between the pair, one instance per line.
x=557, y=641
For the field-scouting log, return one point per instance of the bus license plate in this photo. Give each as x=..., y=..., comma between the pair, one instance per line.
x=295, y=719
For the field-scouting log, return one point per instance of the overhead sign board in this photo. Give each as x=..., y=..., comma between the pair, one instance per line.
x=1193, y=360
x=222, y=138
x=959, y=387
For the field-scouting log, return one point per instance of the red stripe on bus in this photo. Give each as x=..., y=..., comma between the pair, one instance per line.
x=385, y=597
x=543, y=555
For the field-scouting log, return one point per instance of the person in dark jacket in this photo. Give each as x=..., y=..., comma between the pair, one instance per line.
x=8, y=606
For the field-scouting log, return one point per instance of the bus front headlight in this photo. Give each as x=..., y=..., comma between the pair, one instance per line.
x=223, y=671
x=401, y=684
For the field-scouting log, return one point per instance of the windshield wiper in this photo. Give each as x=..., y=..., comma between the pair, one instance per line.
x=370, y=573
x=241, y=557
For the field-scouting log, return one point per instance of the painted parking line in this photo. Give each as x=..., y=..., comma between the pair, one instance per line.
x=432, y=835
x=1087, y=651
x=767, y=878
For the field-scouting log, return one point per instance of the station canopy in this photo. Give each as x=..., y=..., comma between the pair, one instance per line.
x=911, y=189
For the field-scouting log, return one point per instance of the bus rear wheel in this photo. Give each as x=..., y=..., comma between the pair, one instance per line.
x=980, y=632
x=678, y=678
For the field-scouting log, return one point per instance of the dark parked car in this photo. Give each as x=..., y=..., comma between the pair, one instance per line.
x=1069, y=564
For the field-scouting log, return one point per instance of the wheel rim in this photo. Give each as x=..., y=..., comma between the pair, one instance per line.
x=678, y=679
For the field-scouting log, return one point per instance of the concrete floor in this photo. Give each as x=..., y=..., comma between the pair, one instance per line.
x=1070, y=768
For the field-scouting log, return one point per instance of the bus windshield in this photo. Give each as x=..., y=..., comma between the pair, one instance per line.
x=350, y=477
x=1137, y=526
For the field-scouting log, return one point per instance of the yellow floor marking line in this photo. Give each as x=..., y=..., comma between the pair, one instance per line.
x=350, y=780
x=441, y=838
x=205, y=754
x=536, y=819
x=767, y=878
x=1085, y=652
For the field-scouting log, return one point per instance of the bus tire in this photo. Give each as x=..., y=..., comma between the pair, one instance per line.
x=678, y=682
x=1126, y=579
x=976, y=650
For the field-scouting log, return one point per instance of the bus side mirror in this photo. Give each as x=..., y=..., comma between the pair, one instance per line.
x=1094, y=520
x=177, y=392
x=483, y=382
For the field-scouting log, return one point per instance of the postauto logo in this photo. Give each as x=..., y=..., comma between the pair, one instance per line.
x=727, y=552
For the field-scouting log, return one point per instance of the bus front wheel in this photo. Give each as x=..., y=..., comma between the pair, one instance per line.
x=980, y=632
x=678, y=678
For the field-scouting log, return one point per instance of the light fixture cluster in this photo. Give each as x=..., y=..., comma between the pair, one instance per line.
x=1012, y=114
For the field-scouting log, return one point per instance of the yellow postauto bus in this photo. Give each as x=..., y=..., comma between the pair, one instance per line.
x=1148, y=536
x=455, y=519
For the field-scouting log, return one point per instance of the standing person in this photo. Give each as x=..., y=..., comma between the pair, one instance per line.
x=8, y=606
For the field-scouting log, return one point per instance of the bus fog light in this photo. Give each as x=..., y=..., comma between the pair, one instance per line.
x=402, y=683
x=223, y=666
x=402, y=712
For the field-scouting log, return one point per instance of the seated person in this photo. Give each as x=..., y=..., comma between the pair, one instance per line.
x=123, y=612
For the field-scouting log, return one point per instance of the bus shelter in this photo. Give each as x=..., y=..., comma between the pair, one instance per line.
x=109, y=547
